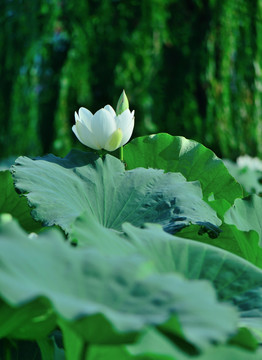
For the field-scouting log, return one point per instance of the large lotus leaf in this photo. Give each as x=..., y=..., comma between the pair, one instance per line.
x=246, y=215
x=12, y=203
x=193, y=160
x=62, y=189
x=230, y=274
x=103, y=297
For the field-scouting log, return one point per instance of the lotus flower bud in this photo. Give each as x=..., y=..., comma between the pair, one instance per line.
x=122, y=104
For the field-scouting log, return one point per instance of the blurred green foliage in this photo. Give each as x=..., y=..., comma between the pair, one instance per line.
x=189, y=67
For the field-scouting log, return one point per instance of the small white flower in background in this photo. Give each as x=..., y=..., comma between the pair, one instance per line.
x=247, y=161
x=106, y=129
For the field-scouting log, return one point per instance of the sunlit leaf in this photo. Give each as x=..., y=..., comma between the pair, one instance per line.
x=190, y=158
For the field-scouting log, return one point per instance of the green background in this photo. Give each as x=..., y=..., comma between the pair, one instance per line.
x=189, y=67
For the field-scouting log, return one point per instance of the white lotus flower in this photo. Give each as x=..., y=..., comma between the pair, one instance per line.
x=104, y=129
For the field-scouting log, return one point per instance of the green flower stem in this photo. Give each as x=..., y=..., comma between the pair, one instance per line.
x=122, y=153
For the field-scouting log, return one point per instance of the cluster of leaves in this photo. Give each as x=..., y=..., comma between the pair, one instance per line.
x=157, y=258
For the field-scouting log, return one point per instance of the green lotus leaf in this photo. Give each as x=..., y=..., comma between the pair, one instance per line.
x=234, y=278
x=230, y=274
x=62, y=189
x=193, y=160
x=106, y=298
